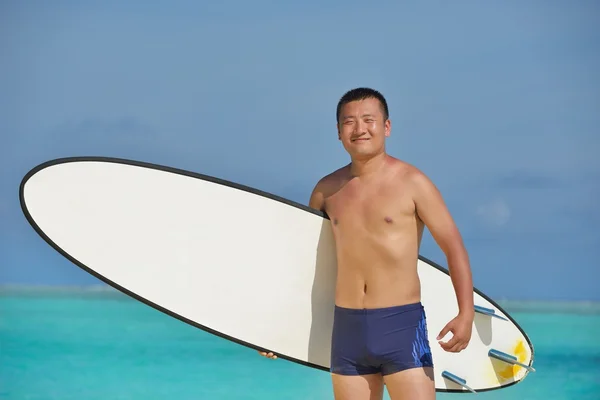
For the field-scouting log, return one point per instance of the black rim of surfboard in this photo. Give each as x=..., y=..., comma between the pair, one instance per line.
x=234, y=185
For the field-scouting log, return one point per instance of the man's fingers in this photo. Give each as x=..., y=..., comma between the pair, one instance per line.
x=456, y=348
x=268, y=355
x=449, y=344
x=456, y=345
x=444, y=331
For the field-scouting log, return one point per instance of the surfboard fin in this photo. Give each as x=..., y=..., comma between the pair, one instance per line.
x=489, y=312
x=499, y=355
x=457, y=380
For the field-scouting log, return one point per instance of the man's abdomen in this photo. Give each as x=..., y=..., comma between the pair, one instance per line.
x=380, y=274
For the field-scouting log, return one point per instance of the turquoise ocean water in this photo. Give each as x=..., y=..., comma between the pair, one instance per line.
x=68, y=344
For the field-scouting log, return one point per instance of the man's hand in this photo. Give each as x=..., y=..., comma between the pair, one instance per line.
x=460, y=327
x=268, y=355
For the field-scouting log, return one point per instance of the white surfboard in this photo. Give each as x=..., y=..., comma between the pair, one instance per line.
x=240, y=263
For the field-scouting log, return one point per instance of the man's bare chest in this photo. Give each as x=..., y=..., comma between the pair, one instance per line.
x=385, y=204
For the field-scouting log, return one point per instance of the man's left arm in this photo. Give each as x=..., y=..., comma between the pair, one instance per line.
x=434, y=213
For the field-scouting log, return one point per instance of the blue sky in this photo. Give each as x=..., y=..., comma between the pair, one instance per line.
x=497, y=102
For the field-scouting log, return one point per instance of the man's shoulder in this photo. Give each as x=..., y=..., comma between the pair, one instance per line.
x=332, y=179
x=325, y=187
x=405, y=170
x=410, y=175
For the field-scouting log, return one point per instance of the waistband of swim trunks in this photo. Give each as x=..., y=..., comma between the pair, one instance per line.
x=398, y=308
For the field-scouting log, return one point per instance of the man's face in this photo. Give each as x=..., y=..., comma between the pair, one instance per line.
x=362, y=128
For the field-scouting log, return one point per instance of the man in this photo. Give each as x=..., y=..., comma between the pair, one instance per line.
x=378, y=206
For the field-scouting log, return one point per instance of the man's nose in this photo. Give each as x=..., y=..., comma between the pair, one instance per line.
x=361, y=126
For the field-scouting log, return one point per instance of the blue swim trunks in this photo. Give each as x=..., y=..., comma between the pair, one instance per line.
x=382, y=340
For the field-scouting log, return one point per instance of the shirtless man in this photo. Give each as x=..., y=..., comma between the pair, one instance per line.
x=378, y=206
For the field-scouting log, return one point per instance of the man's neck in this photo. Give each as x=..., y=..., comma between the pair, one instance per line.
x=367, y=166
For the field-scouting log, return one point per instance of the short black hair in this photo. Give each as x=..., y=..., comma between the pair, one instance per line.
x=362, y=93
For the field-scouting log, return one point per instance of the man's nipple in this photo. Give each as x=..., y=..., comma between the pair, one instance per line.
x=388, y=220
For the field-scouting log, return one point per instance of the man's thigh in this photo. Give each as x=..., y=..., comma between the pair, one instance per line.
x=357, y=387
x=412, y=383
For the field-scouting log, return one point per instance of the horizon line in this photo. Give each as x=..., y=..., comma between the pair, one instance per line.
x=514, y=304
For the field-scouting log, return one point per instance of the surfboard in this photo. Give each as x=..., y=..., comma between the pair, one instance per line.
x=240, y=263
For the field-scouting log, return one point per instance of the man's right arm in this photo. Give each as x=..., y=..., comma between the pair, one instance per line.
x=317, y=199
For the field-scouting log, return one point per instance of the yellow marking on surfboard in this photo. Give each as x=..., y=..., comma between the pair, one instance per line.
x=510, y=371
